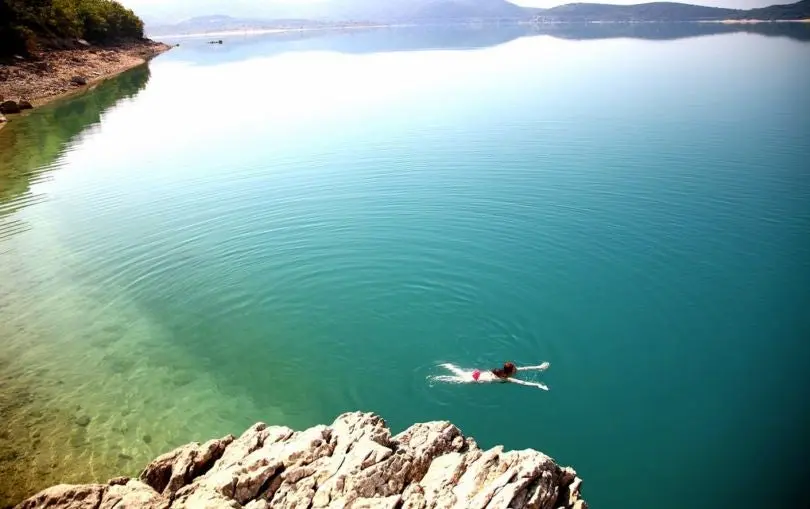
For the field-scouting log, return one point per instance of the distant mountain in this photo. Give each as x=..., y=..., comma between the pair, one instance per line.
x=388, y=11
x=458, y=37
x=799, y=10
x=656, y=11
x=244, y=15
x=667, y=12
x=420, y=10
x=341, y=12
x=221, y=23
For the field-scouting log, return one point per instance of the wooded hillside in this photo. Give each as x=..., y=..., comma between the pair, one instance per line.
x=28, y=25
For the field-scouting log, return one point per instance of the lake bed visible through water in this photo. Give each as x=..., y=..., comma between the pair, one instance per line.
x=285, y=228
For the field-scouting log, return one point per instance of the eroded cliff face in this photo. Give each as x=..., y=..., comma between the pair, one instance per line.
x=354, y=463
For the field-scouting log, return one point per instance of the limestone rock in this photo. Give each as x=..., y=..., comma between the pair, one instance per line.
x=118, y=481
x=355, y=463
x=2, y=118
x=65, y=496
x=130, y=495
x=9, y=107
x=174, y=470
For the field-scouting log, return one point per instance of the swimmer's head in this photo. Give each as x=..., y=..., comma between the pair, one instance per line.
x=506, y=371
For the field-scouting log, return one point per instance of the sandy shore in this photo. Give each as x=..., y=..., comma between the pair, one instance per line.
x=49, y=75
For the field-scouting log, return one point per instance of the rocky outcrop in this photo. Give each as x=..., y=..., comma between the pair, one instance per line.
x=12, y=107
x=119, y=493
x=353, y=464
x=9, y=107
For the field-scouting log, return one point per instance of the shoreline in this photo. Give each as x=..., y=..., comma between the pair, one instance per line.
x=354, y=462
x=48, y=75
x=628, y=22
x=755, y=21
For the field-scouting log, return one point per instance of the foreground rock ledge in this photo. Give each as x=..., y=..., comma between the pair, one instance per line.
x=355, y=464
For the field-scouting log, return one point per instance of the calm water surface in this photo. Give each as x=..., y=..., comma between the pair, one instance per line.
x=287, y=228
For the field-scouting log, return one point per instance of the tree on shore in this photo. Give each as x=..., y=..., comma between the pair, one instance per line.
x=28, y=25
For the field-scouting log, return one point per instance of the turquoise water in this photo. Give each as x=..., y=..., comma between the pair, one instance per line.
x=286, y=228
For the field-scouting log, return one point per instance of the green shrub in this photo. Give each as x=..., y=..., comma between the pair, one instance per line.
x=23, y=22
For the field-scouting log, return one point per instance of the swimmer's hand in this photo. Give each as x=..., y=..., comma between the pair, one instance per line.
x=528, y=384
x=541, y=367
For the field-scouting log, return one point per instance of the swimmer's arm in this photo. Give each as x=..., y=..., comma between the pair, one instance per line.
x=541, y=367
x=528, y=384
x=456, y=371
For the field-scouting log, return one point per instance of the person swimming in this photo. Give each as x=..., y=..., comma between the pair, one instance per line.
x=507, y=371
x=505, y=374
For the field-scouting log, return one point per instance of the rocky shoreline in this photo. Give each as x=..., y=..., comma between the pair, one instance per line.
x=48, y=75
x=354, y=463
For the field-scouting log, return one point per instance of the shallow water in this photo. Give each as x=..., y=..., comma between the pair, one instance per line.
x=286, y=228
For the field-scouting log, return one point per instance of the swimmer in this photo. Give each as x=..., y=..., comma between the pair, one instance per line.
x=506, y=374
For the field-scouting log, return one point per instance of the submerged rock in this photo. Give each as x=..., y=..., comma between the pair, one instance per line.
x=83, y=421
x=7, y=454
x=9, y=107
x=25, y=105
x=354, y=463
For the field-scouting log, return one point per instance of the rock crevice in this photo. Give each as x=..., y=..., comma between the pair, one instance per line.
x=355, y=463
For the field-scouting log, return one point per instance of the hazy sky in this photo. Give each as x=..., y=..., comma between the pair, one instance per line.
x=149, y=6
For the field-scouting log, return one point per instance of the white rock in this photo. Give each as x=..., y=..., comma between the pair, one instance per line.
x=353, y=464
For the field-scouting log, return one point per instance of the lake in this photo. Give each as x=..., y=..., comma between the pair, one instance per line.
x=287, y=227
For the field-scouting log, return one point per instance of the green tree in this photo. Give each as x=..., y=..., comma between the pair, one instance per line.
x=28, y=24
